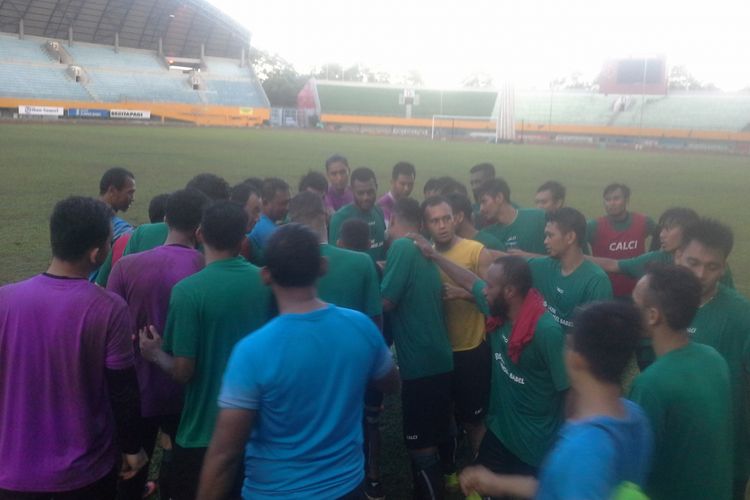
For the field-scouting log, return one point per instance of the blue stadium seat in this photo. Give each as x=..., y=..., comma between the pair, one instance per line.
x=39, y=81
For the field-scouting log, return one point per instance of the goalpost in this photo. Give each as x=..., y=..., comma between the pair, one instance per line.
x=498, y=127
x=450, y=126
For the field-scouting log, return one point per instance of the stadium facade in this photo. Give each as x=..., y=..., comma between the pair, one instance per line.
x=700, y=120
x=146, y=60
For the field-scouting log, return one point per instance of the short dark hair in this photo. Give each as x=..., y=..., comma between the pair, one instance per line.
x=403, y=168
x=363, y=174
x=336, y=159
x=556, y=189
x=77, y=225
x=271, y=186
x=242, y=192
x=678, y=216
x=448, y=185
x=305, y=207
x=185, y=209
x=432, y=184
x=606, y=334
x=676, y=292
x=117, y=177
x=314, y=180
x=517, y=273
x=355, y=235
x=486, y=168
x=611, y=188
x=157, y=208
x=461, y=204
x=408, y=210
x=433, y=201
x=495, y=187
x=213, y=186
x=293, y=256
x=223, y=225
x=569, y=219
x=709, y=233
x=255, y=182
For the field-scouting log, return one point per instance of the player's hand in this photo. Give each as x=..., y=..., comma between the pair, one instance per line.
x=424, y=246
x=453, y=292
x=475, y=479
x=131, y=464
x=150, y=342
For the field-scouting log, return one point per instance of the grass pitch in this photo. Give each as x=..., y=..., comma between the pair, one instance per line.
x=44, y=163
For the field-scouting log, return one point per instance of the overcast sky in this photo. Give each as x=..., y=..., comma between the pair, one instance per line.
x=528, y=42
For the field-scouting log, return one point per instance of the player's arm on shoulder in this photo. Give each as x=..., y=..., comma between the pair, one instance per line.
x=609, y=265
x=462, y=276
x=224, y=454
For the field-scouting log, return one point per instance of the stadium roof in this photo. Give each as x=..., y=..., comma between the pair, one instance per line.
x=183, y=25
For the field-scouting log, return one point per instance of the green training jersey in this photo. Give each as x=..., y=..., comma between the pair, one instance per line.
x=636, y=267
x=526, y=398
x=562, y=294
x=374, y=218
x=686, y=396
x=526, y=232
x=724, y=324
x=489, y=241
x=146, y=237
x=351, y=281
x=412, y=283
x=209, y=312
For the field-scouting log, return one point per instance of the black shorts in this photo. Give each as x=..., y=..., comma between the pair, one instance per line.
x=471, y=383
x=496, y=457
x=426, y=409
x=186, y=472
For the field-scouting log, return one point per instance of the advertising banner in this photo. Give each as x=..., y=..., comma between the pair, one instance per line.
x=130, y=114
x=40, y=111
x=88, y=113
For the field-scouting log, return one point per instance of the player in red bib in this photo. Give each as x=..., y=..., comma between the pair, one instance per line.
x=620, y=234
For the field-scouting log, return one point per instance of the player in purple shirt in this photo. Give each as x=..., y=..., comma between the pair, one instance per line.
x=402, y=184
x=145, y=281
x=69, y=400
x=339, y=193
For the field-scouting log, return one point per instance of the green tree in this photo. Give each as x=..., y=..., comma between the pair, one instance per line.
x=280, y=80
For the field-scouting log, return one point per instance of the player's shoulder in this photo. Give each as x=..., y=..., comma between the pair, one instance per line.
x=533, y=213
x=547, y=328
x=593, y=270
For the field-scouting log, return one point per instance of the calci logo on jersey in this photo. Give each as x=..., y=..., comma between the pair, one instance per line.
x=618, y=246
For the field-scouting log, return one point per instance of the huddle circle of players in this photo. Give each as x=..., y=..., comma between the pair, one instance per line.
x=246, y=333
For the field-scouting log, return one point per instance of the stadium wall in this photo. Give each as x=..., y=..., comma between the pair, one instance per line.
x=210, y=115
x=540, y=128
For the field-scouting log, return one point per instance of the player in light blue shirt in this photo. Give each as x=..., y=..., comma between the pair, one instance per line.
x=275, y=198
x=293, y=390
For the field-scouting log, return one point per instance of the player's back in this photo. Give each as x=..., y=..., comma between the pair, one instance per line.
x=307, y=439
x=57, y=337
x=351, y=281
x=686, y=396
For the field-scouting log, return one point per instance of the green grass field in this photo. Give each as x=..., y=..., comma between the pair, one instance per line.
x=44, y=163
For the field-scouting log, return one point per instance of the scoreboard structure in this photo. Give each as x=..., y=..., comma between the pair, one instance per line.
x=634, y=76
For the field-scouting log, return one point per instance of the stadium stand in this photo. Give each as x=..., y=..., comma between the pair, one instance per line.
x=708, y=116
x=118, y=56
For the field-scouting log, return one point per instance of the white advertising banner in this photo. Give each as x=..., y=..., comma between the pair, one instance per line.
x=40, y=111
x=129, y=114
